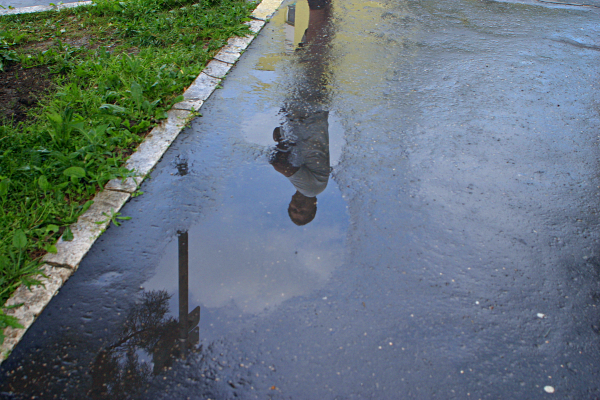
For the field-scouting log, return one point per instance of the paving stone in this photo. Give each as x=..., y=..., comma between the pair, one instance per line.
x=129, y=186
x=157, y=142
x=54, y=273
x=33, y=301
x=266, y=9
x=234, y=48
x=201, y=88
x=240, y=43
x=217, y=69
x=189, y=105
x=228, y=55
x=256, y=25
x=104, y=203
x=151, y=150
x=71, y=253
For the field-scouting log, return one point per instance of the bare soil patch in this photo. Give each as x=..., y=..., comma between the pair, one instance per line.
x=20, y=90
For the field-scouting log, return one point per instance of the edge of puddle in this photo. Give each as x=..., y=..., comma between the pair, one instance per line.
x=29, y=302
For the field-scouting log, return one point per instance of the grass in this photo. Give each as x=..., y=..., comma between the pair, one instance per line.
x=116, y=68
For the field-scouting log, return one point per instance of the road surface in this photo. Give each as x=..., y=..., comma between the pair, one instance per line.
x=452, y=149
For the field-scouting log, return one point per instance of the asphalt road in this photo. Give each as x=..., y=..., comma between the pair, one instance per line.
x=454, y=250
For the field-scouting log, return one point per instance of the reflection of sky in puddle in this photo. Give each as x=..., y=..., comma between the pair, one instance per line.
x=245, y=255
x=257, y=128
x=246, y=252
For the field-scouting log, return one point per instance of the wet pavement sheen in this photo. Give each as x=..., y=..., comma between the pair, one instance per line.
x=452, y=149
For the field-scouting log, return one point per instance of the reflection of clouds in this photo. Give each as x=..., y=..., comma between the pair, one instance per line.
x=248, y=253
x=257, y=128
x=257, y=268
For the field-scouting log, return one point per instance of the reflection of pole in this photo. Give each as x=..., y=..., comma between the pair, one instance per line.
x=182, y=240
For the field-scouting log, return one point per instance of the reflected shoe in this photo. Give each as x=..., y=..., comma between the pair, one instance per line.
x=283, y=144
x=277, y=134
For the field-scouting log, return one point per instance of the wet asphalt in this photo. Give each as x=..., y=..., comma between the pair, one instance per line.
x=452, y=147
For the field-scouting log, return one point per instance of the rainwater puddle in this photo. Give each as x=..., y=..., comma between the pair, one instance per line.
x=263, y=241
x=422, y=129
x=246, y=257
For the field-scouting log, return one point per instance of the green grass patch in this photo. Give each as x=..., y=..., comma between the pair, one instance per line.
x=109, y=72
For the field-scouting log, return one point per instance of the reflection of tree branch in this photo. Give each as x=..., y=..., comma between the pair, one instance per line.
x=119, y=375
x=112, y=379
x=125, y=339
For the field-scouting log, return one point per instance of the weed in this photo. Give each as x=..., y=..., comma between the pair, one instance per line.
x=114, y=217
x=193, y=114
x=8, y=321
x=7, y=41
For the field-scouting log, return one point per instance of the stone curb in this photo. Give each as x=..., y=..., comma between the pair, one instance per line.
x=61, y=265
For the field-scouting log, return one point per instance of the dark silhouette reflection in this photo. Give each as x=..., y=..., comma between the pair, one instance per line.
x=182, y=167
x=302, y=150
x=117, y=371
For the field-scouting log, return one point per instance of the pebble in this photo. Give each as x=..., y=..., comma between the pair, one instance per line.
x=549, y=389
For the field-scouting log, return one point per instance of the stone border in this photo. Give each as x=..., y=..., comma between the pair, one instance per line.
x=60, y=266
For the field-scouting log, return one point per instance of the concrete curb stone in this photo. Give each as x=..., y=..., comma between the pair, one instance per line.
x=33, y=302
x=234, y=48
x=91, y=224
x=217, y=69
x=266, y=9
x=151, y=150
x=70, y=253
x=202, y=87
x=189, y=105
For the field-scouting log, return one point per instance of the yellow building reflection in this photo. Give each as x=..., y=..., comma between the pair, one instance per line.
x=295, y=23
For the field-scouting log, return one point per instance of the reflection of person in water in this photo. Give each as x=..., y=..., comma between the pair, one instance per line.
x=302, y=150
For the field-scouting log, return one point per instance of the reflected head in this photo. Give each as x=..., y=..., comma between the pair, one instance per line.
x=302, y=209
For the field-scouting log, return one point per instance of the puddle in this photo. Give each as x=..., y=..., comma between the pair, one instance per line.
x=249, y=252
x=247, y=257
x=420, y=128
